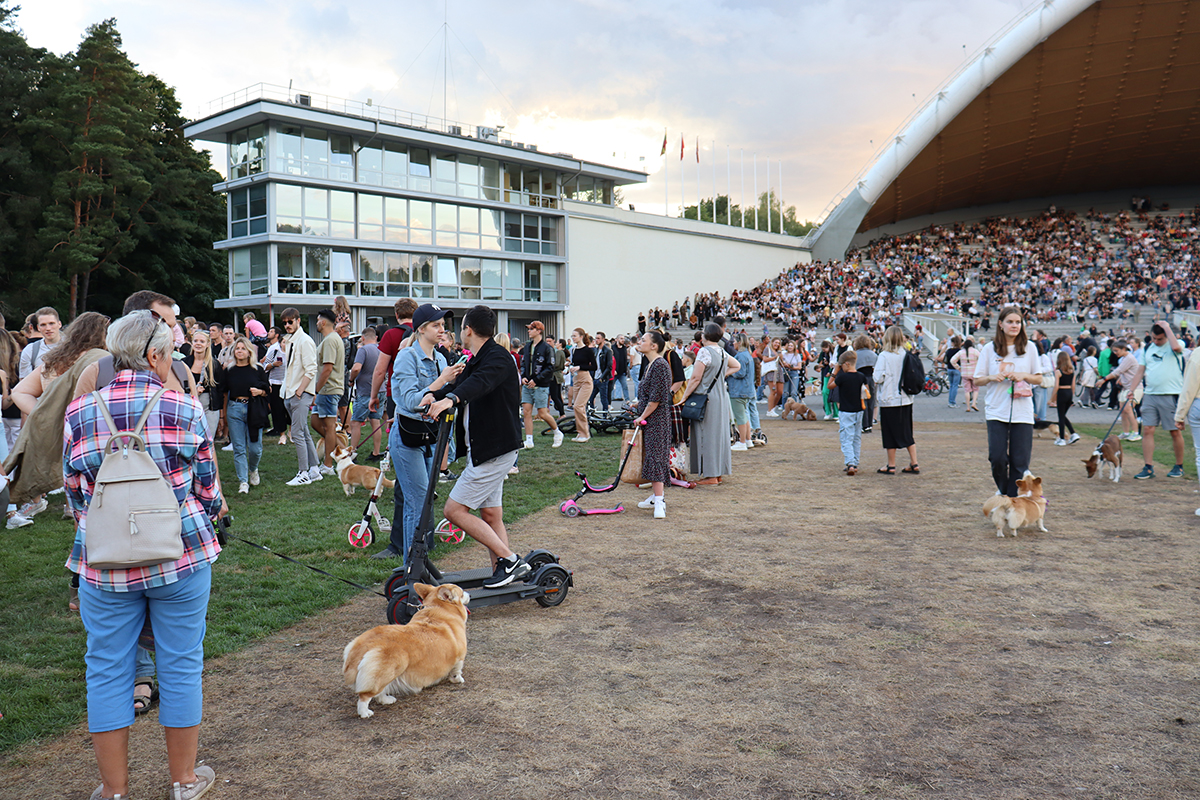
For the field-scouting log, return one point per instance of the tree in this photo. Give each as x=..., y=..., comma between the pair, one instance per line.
x=732, y=215
x=121, y=202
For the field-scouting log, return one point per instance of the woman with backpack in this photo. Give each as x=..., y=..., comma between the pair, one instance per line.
x=895, y=406
x=116, y=601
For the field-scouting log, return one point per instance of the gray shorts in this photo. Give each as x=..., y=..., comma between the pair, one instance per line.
x=1159, y=409
x=483, y=486
x=538, y=396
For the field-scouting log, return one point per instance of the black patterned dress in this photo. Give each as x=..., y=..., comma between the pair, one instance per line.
x=655, y=387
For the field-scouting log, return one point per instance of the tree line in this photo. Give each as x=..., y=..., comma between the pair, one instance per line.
x=100, y=193
x=756, y=217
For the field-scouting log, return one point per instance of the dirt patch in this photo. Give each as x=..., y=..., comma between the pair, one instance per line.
x=794, y=633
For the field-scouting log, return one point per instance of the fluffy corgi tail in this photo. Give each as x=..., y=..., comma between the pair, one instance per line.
x=388, y=484
x=349, y=666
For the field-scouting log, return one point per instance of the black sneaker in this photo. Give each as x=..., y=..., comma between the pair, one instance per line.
x=385, y=554
x=446, y=476
x=375, y=457
x=507, y=572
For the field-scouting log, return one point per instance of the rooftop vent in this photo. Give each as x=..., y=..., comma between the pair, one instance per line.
x=506, y=141
x=455, y=130
x=303, y=100
x=531, y=147
x=487, y=134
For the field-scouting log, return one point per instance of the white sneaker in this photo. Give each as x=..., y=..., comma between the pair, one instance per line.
x=327, y=470
x=227, y=448
x=17, y=520
x=33, y=508
x=749, y=444
x=1123, y=436
x=283, y=439
x=660, y=508
x=314, y=474
x=1197, y=513
x=827, y=418
x=558, y=438
x=243, y=488
x=772, y=413
x=1074, y=438
x=739, y=447
x=254, y=478
x=528, y=442
x=301, y=479
x=1061, y=442
x=647, y=503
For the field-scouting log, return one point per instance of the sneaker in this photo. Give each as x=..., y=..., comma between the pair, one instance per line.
x=314, y=474
x=1133, y=437
x=1061, y=442
x=384, y=554
x=507, y=571
x=205, y=777
x=749, y=444
x=660, y=509
x=283, y=439
x=739, y=447
x=301, y=479
x=772, y=413
x=327, y=470
x=852, y=470
x=528, y=442
x=1122, y=435
x=1147, y=472
x=647, y=503
x=1176, y=471
x=514, y=471
x=243, y=488
x=18, y=520
x=1074, y=438
x=446, y=476
x=33, y=508
x=558, y=438
x=226, y=449
x=868, y=429
x=99, y=795
x=254, y=478
x=827, y=418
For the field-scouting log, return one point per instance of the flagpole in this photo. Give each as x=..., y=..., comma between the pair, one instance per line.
x=682, y=192
x=728, y=188
x=714, y=157
x=743, y=194
x=698, y=214
x=781, y=197
x=768, y=194
x=756, y=191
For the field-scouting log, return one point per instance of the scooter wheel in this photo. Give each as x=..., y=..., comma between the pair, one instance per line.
x=447, y=532
x=555, y=581
x=398, y=611
x=573, y=510
x=394, y=584
x=360, y=535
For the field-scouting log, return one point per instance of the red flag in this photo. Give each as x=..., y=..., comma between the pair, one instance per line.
x=664, y=148
x=697, y=149
x=681, y=147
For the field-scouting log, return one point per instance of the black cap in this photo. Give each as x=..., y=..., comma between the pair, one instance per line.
x=429, y=313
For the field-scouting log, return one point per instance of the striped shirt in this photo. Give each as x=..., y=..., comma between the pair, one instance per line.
x=177, y=438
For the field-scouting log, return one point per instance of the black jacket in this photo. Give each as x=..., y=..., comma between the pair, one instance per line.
x=537, y=363
x=490, y=388
x=621, y=354
x=604, y=363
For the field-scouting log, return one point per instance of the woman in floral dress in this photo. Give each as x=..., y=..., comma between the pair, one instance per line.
x=654, y=407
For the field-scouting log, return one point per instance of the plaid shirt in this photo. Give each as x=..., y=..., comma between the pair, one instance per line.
x=177, y=438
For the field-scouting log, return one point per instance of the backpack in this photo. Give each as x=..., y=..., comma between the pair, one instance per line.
x=912, y=374
x=133, y=519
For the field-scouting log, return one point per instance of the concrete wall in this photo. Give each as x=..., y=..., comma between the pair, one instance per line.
x=623, y=262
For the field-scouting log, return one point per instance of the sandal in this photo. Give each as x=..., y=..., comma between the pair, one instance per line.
x=911, y=469
x=887, y=470
x=141, y=702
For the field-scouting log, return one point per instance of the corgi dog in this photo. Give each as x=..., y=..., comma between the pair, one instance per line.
x=1107, y=454
x=404, y=659
x=1025, y=510
x=798, y=410
x=352, y=476
x=1052, y=428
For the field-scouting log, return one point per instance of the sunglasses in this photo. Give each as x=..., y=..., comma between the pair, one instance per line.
x=157, y=319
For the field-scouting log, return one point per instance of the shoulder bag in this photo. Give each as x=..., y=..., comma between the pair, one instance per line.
x=693, y=408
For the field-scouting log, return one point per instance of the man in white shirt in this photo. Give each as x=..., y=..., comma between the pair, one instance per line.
x=50, y=327
x=298, y=393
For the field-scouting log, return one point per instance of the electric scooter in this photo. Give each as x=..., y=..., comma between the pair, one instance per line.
x=571, y=506
x=547, y=583
x=361, y=533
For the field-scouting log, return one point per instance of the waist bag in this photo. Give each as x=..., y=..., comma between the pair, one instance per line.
x=133, y=519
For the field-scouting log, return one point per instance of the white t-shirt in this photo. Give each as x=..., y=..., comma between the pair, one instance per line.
x=999, y=404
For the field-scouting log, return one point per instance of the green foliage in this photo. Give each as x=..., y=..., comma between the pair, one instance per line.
x=102, y=194
x=732, y=215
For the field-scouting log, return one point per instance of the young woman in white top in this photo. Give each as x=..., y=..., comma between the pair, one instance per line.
x=1008, y=368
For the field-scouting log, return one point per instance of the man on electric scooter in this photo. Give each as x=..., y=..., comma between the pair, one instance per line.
x=488, y=393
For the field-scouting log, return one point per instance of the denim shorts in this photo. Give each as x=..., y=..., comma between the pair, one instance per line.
x=362, y=409
x=326, y=405
x=538, y=396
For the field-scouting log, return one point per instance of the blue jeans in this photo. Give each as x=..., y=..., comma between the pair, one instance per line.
x=850, y=434
x=601, y=389
x=246, y=453
x=412, y=479
x=1040, y=398
x=955, y=376
x=791, y=385
x=635, y=372
x=622, y=383
x=754, y=422
x=1193, y=418
x=113, y=621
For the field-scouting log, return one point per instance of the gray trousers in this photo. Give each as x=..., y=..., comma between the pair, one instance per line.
x=306, y=451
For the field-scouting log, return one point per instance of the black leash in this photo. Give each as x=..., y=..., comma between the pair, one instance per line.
x=223, y=534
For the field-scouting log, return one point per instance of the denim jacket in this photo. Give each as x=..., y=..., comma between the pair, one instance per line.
x=412, y=375
x=741, y=383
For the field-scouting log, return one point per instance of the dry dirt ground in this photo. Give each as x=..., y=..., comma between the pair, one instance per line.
x=794, y=633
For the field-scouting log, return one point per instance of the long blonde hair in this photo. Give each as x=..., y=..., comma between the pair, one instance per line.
x=208, y=378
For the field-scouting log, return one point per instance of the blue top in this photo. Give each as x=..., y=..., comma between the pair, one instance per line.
x=412, y=375
x=741, y=383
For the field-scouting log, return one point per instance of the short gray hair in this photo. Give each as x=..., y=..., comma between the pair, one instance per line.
x=127, y=338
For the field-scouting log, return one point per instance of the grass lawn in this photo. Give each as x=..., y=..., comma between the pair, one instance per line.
x=254, y=594
x=1164, y=457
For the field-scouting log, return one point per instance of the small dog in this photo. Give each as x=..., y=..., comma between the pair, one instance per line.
x=798, y=410
x=1053, y=428
x=1025, y=510
x=404, y=659
x=1107, y=454
x=352, y=476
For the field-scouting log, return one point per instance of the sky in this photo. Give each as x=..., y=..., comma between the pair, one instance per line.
x=811, y=87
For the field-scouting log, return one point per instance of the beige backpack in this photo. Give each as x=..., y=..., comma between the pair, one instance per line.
x=134, y=519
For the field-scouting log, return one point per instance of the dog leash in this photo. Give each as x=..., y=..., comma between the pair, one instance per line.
x=223, y=533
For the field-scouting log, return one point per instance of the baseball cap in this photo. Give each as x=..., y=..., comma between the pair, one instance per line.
x=429, y=313
x=536, y=324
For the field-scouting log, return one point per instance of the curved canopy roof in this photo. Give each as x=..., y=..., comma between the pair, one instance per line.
x=1109, y=101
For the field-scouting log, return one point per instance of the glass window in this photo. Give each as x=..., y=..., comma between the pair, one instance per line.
x=395, y=219
x=370, y=217
x=420, y=221
x=290, y=150
x=533, y=283
x=489, y=226
x=447, y=224
x=370, y=273
x=469, y=278
x=418, y=163
x=370, y=165
x=341, y=157
x=490, y=178
x=395, y=166
x=447, y=278
x=513, y=280
x=445, y=168
x=341, y=214
x=512, y=183
x=316, y=270
x=468, y=176
x=316, y=153
x=531, y=181
x=288, y=200
x=604, y=192
x=238, y=207
x=341, y=270
x=397, y=274
x=238, y=154
x=422, y=271
x=290, y=268
x=316, y=211
x=530, y=224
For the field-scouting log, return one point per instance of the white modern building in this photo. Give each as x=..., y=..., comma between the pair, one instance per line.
x=330, y=197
